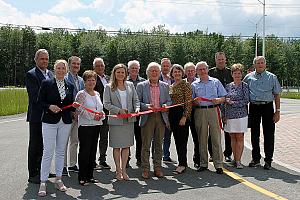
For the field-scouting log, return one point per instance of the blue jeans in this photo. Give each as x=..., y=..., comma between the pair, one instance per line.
x=167, y=143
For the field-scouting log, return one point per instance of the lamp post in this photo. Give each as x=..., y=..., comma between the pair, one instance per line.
x=256, y=38
x=264, y=26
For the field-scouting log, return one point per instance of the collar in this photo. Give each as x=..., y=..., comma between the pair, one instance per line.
x=260, y=74
x=209, y=79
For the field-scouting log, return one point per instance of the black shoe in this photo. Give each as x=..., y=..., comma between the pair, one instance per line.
x=104, y=165
x=65, y=172
x=219, y=171
x=228, y=159
x=169, y=160
x=254, y=163
x=201, y=169
x=267, y=165
x=51, y=175
x=73, y=169
x=34, y=179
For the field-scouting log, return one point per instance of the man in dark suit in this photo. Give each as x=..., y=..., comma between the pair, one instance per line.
x=102, y=80
x=33, y=81
x=165, y=77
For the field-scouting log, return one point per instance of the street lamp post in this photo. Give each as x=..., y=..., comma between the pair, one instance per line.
x=264, y=26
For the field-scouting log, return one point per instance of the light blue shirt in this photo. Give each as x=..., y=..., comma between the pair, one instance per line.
x=262, y=86
x=211, y=89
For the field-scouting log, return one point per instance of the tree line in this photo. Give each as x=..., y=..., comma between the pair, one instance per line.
x=18, y=46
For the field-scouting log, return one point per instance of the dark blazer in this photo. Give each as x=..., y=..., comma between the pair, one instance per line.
x=162, y=79
x=33, y=80
x=49, y=95
x=100, y=88
x=71, y=80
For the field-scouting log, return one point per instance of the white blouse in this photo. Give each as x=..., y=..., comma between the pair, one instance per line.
x=123, y=96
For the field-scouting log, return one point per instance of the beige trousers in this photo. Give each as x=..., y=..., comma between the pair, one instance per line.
x=207, y=119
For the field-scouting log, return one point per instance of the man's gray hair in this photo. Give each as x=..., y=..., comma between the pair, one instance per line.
x=152, y=65
x=96, y=60
x=201, y=63
x=189, y=64
x=259, y=58
x=40, y=51
x=133, y=62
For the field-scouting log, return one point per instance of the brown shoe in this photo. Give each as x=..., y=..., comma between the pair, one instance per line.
x=158, y=173
x=146, y=174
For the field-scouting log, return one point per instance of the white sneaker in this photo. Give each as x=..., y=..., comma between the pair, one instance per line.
x=231, y=164
x=239, y=165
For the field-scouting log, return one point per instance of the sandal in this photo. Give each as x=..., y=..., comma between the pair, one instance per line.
x=119, y=176
x=125, y=176
x=60, y=185
x=176, y=171
x=83, y=183
x=42, y=190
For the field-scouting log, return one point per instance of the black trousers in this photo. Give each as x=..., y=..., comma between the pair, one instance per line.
x=257, y=114
x=196, y=156
x=103, y=141
x=88, y=139
x=138, y=140
x=181, y=134
x=35, y=148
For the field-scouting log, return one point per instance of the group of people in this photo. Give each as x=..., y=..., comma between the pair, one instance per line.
x=66, y=110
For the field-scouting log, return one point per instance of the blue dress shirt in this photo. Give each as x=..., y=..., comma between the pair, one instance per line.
x=211, y=89
x=262, y=86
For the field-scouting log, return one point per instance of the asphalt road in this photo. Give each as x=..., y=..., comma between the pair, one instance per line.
x=250, y=183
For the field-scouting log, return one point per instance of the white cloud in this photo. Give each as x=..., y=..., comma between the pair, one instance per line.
x=66, y=6
x=87, y=21
x=11, y=15
x=175, y=16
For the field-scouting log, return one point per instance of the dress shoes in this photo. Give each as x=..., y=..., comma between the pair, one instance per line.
x=158, y=173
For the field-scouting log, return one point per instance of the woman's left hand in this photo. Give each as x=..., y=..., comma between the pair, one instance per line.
x=76, y=104
x=137, y=110
x=182, y=121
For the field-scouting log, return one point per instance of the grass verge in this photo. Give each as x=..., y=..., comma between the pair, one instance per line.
x=13, y=101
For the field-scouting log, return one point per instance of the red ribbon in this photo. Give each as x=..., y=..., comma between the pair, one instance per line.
x=127, y=115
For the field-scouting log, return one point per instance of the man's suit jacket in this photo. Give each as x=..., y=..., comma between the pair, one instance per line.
x=49, y=95
x=100, y=88
x=162, y=79
x=143, y=91
x=112, y=102
x=33, y=80
x=71, y=80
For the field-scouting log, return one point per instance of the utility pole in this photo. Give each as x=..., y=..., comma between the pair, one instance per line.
x=264, y=26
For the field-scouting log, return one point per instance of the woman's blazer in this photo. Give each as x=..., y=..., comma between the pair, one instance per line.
x=112, y=102
x=49, y=95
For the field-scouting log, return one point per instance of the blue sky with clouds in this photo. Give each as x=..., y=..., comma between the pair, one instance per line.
x=223, y=16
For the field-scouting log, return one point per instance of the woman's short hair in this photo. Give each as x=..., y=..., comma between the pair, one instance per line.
x=178, y=67
x=237, y=67
x=89, y=74
x=113, y=80
x=61, y=61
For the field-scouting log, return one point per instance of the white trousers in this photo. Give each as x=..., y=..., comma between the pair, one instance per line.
x=55, y=136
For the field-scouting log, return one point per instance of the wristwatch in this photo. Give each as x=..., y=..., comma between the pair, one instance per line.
x=277, y=109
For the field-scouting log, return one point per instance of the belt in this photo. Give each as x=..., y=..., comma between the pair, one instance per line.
x=261, y=102
x=210, y=106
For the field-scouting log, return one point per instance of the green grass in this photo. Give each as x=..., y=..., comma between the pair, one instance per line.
x=290, y=95
x=13, y=101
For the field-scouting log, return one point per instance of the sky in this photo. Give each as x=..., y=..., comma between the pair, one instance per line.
x=227, y=17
